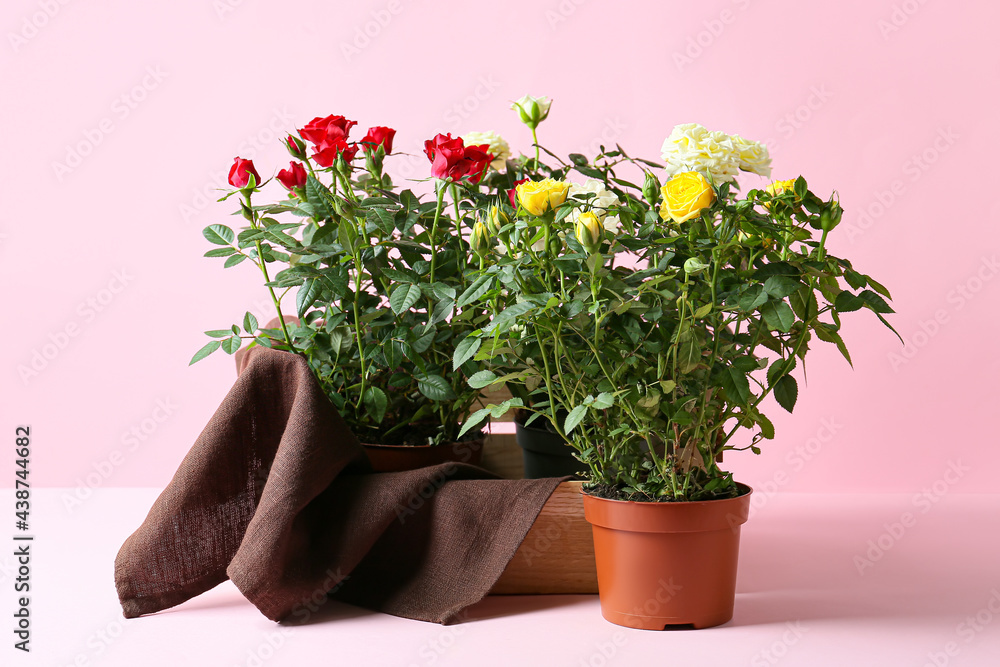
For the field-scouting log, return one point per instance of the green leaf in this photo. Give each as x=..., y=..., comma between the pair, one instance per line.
x=306, y=296
x=778, y=287
x=231, y=344
x=574, y=418
x=875, y=302
x=233, y=261
x=508, y=316
x=482, y=379
x=376, y=402
x=403, y=298
x=847, y=302
x=205, y=351
x=688, y=352
x=465, y=350
x=800, y=188
x=786, y=392
x=219, y=234
x=435, y=388
x=753, y=298
x=219, y=333
x=603, y=401
x=474, y=420
x=735, y=383
x=703, y=311
x=220, y=252
x=855, y=279
x=778, y=315
x=250, y=323
x=475, y=291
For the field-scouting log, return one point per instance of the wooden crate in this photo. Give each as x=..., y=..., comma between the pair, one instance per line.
x=557, y=556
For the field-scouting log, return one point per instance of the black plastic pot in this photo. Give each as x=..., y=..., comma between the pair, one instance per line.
x=545, y=453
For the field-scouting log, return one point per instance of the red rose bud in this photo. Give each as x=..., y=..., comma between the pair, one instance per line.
x=295, y=147
x=293, y=177
x=378, y=136
x=326, y=152
x=239, y=173
x=321, y=130
x=512, y=193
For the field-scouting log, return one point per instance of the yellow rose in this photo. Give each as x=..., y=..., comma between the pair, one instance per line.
x=539, y=197
x=685, y=195
x=778, y=187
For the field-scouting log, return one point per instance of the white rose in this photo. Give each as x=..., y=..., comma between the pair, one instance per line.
x=499, y=149
x=754, y=156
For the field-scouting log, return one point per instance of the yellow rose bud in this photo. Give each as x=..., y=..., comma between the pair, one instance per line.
x=480, y=240
x=496, y=218
x=778, y=188
x=589, y=231
x=685, y=195
x=539, y=197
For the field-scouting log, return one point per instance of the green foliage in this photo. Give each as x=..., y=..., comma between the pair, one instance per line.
x=681, y=331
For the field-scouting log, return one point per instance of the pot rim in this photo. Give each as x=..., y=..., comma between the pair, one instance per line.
x=652, y=503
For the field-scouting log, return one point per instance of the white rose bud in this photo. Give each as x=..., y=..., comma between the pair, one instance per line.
x=533, y=110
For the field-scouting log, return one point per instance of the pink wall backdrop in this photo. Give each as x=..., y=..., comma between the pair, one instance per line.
x=121, y=118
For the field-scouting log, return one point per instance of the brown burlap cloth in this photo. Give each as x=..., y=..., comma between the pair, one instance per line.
x=276, y=494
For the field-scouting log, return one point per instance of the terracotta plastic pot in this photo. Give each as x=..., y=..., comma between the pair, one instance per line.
x=667, y=564
x=545, y=453
x=396, y=458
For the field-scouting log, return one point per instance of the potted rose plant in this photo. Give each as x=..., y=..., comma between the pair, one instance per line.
x=651, y=345
x=375, y=273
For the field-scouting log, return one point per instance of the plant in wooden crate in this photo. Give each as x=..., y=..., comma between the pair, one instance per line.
x=651, y=343
x=376, y=273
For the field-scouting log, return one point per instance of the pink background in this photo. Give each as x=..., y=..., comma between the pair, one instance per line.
x=157, y=98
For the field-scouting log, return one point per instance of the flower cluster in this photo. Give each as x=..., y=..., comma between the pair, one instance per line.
x=691, y=147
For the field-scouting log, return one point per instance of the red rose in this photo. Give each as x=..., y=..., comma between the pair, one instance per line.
x=295, y=146
x=320, y=130
x=452, y=159
x=239, y=173
x=378, y=136
x=327, y=151
x=477, y=160
x=512, y=193
x=293, y=177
